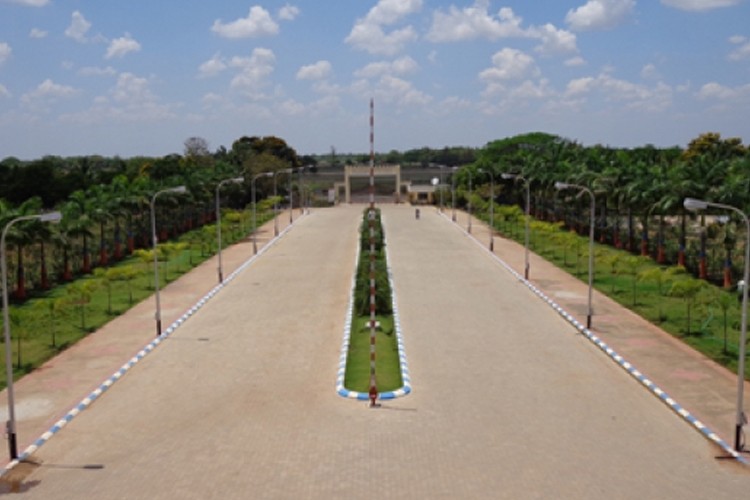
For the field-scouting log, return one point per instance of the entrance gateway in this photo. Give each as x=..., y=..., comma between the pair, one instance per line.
x=363, y=171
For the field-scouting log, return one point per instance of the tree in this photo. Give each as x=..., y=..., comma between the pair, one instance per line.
x=79, y=295
x=658, y=276
x=146, y=256
x=106, y=277
x=22, y=235
x=77, y=223
x=102, y=208
x=47, y=313
x=196, y=146
x=688, y=290
x=632, y=265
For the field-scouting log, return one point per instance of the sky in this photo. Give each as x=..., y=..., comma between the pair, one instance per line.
x=139, y=77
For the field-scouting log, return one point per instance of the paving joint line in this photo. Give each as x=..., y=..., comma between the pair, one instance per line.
x=99, y=391
x=678, y=409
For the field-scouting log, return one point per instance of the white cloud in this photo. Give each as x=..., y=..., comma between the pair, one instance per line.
x=554, y=40
x=400, y=66
x=391, y=11
x=257, y=23
x=718, y=92
x=78, y=28
x=213, y=66
x=95, y=71
x=30, y=3
x=5, y=52
x=510, y=64
x=130, y=100
x=649, y=72
x=37, y=33
x=288, y=12
x=575, y=61
x=119, y=47
x=699, y=5
x=4, y=92
x=743, y=49
x=132, y=89
x=372, y=38
x=634, y=96
x=474, y=22
x=317, y=71
x=368, y=33
x=254, y=72
x=401, y=92
x=48, y=91
x=599, y=14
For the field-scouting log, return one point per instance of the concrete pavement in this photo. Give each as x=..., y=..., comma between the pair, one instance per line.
x=702, y=386
x=46, y=396
x=509, y=401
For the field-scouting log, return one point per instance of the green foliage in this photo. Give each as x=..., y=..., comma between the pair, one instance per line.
x=383, y=304
x=688, y=290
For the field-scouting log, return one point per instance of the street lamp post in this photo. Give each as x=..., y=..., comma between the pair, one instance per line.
x=275, y=201
x=453, y=193
x=255, y=220
x=11, y=424
x=694, y=205
x=235, y=180
x=291, y=197
x=301, y=191
x=528, y=215
x=582, y=189
x=492, y=209
x=154, y=240
x=468, y=227
x=441, y=187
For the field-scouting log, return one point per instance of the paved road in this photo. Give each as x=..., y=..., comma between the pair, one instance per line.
x=508, y=401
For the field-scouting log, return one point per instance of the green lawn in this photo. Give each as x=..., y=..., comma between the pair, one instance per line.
x=387, y=367
x=715, y=313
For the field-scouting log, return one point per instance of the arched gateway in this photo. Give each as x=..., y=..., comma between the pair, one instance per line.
x=358, y=172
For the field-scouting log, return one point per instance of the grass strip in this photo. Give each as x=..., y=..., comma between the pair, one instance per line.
x=387, y=363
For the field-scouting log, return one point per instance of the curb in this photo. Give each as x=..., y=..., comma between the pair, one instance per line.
x=404, y=365
x=614, y=356
x=94, y=395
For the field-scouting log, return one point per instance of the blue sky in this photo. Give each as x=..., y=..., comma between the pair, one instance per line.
x=139, y=77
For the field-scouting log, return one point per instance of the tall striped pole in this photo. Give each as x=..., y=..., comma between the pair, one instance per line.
x=371, y=222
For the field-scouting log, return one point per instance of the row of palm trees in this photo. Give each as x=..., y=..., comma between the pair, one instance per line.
x=633, y=188
x=105, y=223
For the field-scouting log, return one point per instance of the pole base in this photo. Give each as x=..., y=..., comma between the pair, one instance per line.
x=12, y=446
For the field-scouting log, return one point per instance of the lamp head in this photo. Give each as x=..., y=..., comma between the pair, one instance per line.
x=178, y=189
x=507, y=176
x=238, y=180
x=561, y=185
x=51, y=217
x=693, y=204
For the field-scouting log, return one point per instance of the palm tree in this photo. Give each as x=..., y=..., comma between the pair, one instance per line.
x=22, y=235
x=43, y=233
x=77, y=216
x=101, y=213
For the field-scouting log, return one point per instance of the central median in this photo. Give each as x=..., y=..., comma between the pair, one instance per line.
x=390, y=361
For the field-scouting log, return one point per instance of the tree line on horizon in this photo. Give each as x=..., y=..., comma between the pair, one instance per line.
x=105, y=201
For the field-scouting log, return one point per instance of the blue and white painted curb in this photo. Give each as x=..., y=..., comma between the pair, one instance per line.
x=88, y=400
x=628, y=367
x=404, y=365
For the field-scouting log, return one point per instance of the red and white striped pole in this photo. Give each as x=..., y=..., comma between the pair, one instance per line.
x=371, y=222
